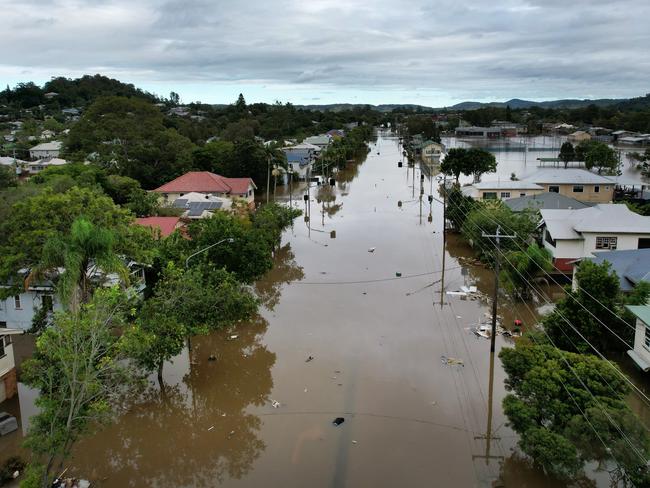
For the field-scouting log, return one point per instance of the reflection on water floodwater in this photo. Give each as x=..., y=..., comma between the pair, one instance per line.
x=376, y=340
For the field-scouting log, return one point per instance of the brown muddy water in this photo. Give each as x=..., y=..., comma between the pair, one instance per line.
x=376, y=340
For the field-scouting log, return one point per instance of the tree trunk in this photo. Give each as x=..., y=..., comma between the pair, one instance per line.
x=161, y=382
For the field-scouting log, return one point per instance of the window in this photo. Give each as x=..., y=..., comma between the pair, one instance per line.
x=17, y=304
x=596, y=188
x=644, y=243
x=2, y=346
x=3, y=324
x=554, y=189
x=522, y=194
x=647, y=337
x=505, y=194
x=489, y=195
x=606, y=242
x=578, y=189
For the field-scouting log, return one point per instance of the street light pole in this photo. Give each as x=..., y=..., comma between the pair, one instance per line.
x=227, y=239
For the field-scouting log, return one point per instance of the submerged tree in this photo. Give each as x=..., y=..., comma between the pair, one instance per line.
x=567, y=153
x=79, y=371
x=522, y=268
x=569, y=409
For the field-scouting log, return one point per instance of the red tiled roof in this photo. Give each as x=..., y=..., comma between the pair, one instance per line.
x=167, y=225
x=206, y=182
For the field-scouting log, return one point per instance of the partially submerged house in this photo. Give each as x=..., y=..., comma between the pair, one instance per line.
x=301, y=158
x=501, y=190
x=8, y=380
x=580, y=184
x=200, y=206
x=632, y=266
x=432, y=151
x=640, y=354
x=570, y=235
x=206, y=183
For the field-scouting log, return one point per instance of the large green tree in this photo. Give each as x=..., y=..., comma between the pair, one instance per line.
x=569, y=409
x=186, y=303
x=523, y=267
x=567, y=153
x=128, y=135
x=80, y=373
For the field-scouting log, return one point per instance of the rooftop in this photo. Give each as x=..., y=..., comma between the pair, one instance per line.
x=605, y=217
x=569, y=176
x=206, y=182
x=507, y=185
x=641, y=312
x=546, y=200
x=47, y=146
x=166, y=225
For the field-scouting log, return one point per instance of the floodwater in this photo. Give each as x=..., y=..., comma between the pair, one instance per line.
x=376, y=341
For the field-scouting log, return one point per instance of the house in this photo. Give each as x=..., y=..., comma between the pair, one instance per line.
x=322, y=141
x=641, y=352
x=570, y=235
x=301, y=157
x=12, y=162
x=46, y=150
x=200, y=205
x=432, y=151
x=50, y=95
x=47, y=134
x=8, y=380
x=482, y=132
x=165, y=225
x=545, y=200
x=17, y=312
x=35, y=167
x=580, y=184
x=207, y=183
x=72, y=113
x=501, y=190
x=336, y=133
x=578, y=137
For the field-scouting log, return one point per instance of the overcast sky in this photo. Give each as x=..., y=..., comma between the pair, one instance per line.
x=430, y=52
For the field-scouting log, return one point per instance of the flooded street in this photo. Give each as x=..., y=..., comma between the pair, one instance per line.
x=376, y=325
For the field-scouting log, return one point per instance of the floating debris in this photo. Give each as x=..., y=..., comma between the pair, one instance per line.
x=212, y=357
x=452, y=361
x=371, y=249
x=210, y=428
x=310, y=358
x=338, y=421
x=233, y=337
x=275, y=403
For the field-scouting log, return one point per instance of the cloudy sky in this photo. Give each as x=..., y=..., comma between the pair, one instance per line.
x=431, y=52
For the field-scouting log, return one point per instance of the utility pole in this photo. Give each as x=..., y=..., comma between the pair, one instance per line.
x=268, y=177
x=497, y=237
x=489, y=437
x=444, y=238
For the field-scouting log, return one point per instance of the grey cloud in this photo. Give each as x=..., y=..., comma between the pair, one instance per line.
x=472, y=49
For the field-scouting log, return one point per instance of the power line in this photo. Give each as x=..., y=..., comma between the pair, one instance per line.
x=379, y=280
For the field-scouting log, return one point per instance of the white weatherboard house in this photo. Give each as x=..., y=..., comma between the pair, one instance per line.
x=46, y=150
x=641, y=352
x=501, y=190
x=17, y=312
x=574, y=234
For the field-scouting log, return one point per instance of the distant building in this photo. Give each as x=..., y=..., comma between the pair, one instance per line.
x=578, y=136
x=321, y=141
x=35, y=167
x=50, y=95
x=479, y=132
x=46, y=150
x=432, y=151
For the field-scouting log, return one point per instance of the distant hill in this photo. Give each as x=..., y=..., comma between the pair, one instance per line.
x=339, y=107
x=518, y=103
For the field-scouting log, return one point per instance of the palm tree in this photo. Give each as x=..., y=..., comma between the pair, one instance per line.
x=87, y=256
x=277, y=160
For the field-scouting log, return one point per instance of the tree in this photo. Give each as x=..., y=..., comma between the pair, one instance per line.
x=602, y=157
x=479, y=162
x=567, y=153
x=523, y=267
x=240, y=104
x=80, y=372
x=185, y=303
x=7, y=177
x=596, y=301
x=87, y=256
x=174, y=98
x=555, y=416
x=459, y=206
x=455, y=162
x=128, y=135
x=486, y=217
x=32, y=221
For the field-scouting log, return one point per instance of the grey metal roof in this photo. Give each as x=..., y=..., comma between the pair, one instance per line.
x=546, y=200
x=196, y=209
x=605, y=217
x=631, y=266
x=569, y=176
x=507, y=185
